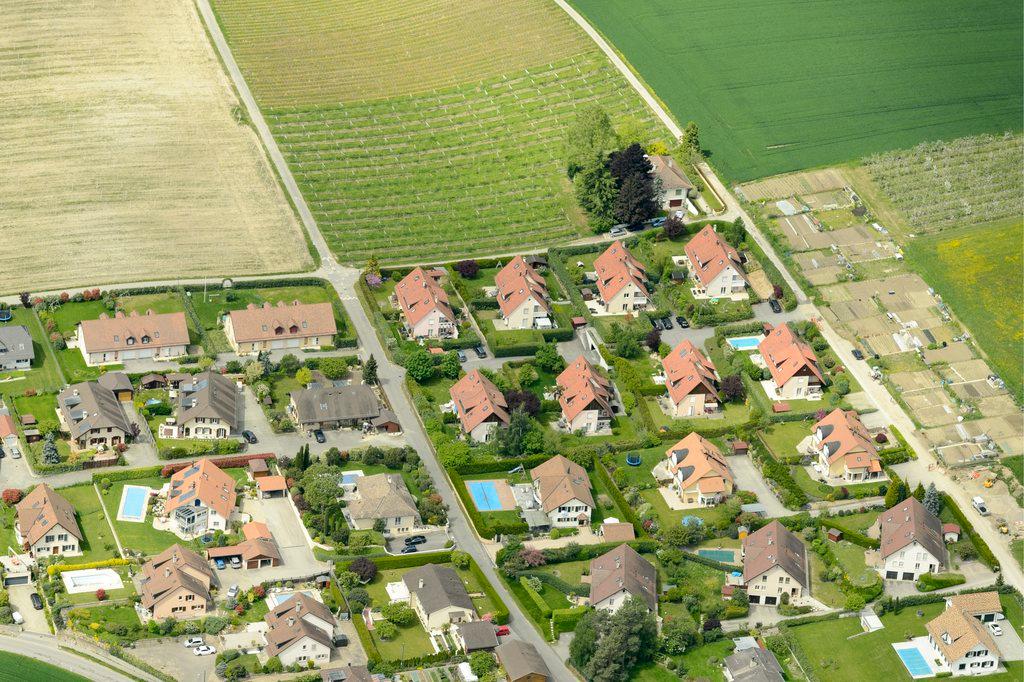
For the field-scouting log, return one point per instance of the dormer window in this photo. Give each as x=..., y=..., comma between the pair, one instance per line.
x=264, y=327
x=278, y=330
x=304, y=324
x=293, y=329
x=130, y=341
x=146, y=339
x=117, y=338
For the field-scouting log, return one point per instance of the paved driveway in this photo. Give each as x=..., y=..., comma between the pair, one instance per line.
x=436, y=540
x=297, y=558
x=171, y=657
x=1009, y=643
x=749, y=478
x=35, y=621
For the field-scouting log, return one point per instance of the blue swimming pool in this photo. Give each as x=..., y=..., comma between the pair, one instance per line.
x=744, y=342
x=916, y=664
x=350, y=479
x=485, y=495
x=725, y=556
x=133, y=503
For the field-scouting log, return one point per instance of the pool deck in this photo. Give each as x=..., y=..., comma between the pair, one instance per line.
x=506, y=499
x=930, y=656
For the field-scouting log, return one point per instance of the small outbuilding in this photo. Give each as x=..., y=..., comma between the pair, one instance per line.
x=739, y=447
x=272, y=486
x=950, y=532
x=258, y=468
x=153, y=381
x=835, y=535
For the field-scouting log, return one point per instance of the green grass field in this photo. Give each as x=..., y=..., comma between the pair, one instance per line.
x=977, y=270
x=778, y=86
x=92, y=519
x=141, y=537
x=433, y=133
x=15, y=668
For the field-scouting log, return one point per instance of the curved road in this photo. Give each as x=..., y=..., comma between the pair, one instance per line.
x=46, y=648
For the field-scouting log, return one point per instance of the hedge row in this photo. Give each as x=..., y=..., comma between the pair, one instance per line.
x=898, y=603
x=406, y=560
x=588, y=552
x=711, y=563
x=628, y=513
x=125, y=474
x=216, y=447
x=984, y=551
x=538, y=600
x=57, y=569
x=565, y=620
x=369, y=646
x=557, y=583
x=929, y=582
x=500, y=607
x=851, y=535
x=222, y=462
x=502, y=466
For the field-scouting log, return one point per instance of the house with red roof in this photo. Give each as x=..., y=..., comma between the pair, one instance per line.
x=522, y=296
x=425, y=307
x=691, y=380
x=716, y=267
x=844, y=449
x=793, y=365
x=479, y=405
x=700, y=475
x=200, y=498
x=586, y=398
x=621, y=281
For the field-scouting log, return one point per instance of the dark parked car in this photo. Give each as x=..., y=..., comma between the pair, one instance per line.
x=658, y=222
x=656, y=323
x=774, y=304
x=667, y=322
x=681, y=321
x=857, y=354
x=319, y=435
x=415, y=539
x=249, y=437
x=37, y=601
x=480, y=352
x=409, y=549
x=462, y=355
x=340, y=640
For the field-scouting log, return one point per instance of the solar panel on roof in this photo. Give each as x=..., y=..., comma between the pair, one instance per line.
x=188, y=496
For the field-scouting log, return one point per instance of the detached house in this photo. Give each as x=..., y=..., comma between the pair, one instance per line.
x=691, y=380
x=425, y=307
x=522, y=662
x=92, y=415
x=334, y=407
x=792, y=364
x=716, y=266
x=619, y=575
x=176, y=584
x=522, y=296
x=562, y=489
x=844, y=449
x=585, y=397
x=676, y=187
x=201, y=497
x=110, y=340
x=47, y=525
x=774, y=564
x=438, y=596
x=270, y=327
x=382, y=496
x=207, y=408
x=300, y=631
x=480, y=406
x=911, y=541
x=621, y=280
x=959, y=637
x=15, y=348
x=700, y=475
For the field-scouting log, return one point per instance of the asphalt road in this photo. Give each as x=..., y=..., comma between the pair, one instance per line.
x=46, y=648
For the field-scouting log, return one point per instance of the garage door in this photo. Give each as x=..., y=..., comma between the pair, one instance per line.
x=277, y=344
x=21, y=580
x=755, y=599
x=770, y=600
x=892, y=575
x=675, y=202
x=908, y=576
x=294, y=343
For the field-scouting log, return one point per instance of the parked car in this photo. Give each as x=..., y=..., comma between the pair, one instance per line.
x=617, y=232
x=220, y=564
x=236, y=562
x=193, y=641
x=683, y=322
x=37, y=601
x=409, y=549
x=658, y=222
x=667, y=322
x=416, y=539
x=204, y=650
x=502, y=631
x=340, y=640
x=857, y=354
x=15, y=453
x=656, y=323
x=232, y=591
x=774, y=304
x=996, y=629
x=461, y=354
x=18, y=618
x=319, y=435
x=250, y=437
x=979, y=504
x=480, y=351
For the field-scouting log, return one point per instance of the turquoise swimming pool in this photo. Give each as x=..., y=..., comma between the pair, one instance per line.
x=725, y=556
x=133, y=503
x=744, y=342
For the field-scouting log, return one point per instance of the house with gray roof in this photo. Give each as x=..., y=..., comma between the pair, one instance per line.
x=92, y=415
x=381, y=496
x=438, y=596
x=333, y=407
x=522, y=662
x=753, y=665
x=15, y=348
x=207, y=408
x=774, y=564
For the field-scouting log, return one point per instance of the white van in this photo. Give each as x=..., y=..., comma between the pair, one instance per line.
x=979, y=504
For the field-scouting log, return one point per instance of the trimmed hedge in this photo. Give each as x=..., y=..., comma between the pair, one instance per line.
x=57, y=569
x=929, y=582
x=222, y=462
x=984, y=551
x=405, y=560
x=565, y=620
x=851, y=535
x=500, y=608
x=557, y=583
x=620, y=501
x=711, y=563
x=538, y=600
x=486, y=467
x=125, y=474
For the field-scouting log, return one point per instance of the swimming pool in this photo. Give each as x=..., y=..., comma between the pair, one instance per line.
x=915, y=662
x=91, y=579
x=744, y=342
x=485, y=495
x=350, y=477
x=133, y=503
x=725, y=556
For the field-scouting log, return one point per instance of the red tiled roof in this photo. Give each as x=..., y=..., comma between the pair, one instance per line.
x=709, y=255
x=271, y=484
x=847, y=438
x=6, y=426
x=786, y=355
x=516, y=282
x=419, y=293
x=582, y=387
x=207, y=482
x=700, y=462
x=687, y=369
x=144, y=331
x=283, y=321
x=478, y=400
x=616, y=268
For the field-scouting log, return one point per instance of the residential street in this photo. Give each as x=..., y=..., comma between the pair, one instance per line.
x=48, y=649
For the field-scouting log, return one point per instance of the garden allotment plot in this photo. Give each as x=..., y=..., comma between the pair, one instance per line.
x=780, y=85
x=425, y=130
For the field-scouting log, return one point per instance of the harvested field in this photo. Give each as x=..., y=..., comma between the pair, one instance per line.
x=952, y=353
x=931, y=407
x=122, y=159
x=783, y=85
x=940, y=185
x=793, y=184
x=428, y=132
x=819, y=267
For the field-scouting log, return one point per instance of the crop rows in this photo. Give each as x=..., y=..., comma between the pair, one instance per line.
x=472, y=169
x=945, y=184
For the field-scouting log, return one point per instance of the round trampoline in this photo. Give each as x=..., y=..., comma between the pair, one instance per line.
x=633, y=460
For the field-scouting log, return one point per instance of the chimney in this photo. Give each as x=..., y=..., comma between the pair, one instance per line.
x=167, y=572
x=618, y=562
x=291, y=621
x=421, y=583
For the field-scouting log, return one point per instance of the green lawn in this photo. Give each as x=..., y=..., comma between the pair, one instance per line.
x=833, y=656
x=412, y=640
x=857, y=522
x=977, y=270
x=138, y=536
x=165, y=302
x=852, y=558
x=42, y=406
x=15, y=668
x=44, y=375
x=1017, y=547
x=69, y=315
x=638, y=475
x=90, y=597
x=99, y=541
x=8, y=517
x=75, y=369
x=705, y=662
x=1016, y=465
x=821, y=99
x=783, y=437
x=734, y=414
x=827, y=593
